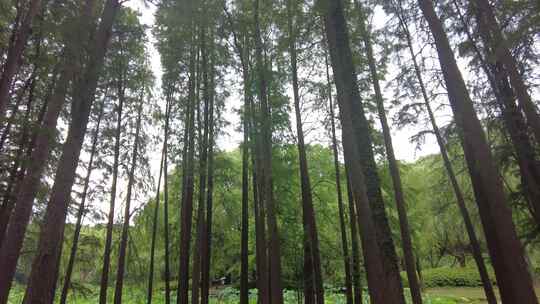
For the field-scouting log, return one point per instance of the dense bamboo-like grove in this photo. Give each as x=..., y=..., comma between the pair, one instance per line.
x=257, y=151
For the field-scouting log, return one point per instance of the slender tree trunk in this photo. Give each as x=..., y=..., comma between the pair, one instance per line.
x=207, y=244
x=187, y=191
x=166, y=204
x=15, y=53
x=356, y=275
x=244, y=253
x=104, y=281
x=125, y=228
x=475, y=244
x=513, y=278
x=312, y=283
x=383, y=287
x=343, y=229
x=267, y=199
x=155, y=222
x=9, y=252
x=198, y=259
x=399, y=197
x=244, y=242
x=42, y=280
x=80, y=212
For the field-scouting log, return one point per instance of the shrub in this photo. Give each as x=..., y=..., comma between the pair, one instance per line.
x=451, y=277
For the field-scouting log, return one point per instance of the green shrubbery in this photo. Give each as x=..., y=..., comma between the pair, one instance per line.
x=451, y=277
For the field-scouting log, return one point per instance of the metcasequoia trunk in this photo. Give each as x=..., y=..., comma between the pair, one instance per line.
x=475, y=244
x=344, y=243
x=80, y=213
x=42, y=281
x=266, y=189
x=383, y=285
x=312, y=254
x=513, y=278
x=410, y=264
x=104, y=280
x=125, y=227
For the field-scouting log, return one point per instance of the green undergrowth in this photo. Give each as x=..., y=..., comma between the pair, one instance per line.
x=228, y=295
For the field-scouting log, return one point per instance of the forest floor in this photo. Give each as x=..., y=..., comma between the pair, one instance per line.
x=441, y=295
x=465, y=294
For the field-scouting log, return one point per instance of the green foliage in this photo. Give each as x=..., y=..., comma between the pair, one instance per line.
x=451, y=277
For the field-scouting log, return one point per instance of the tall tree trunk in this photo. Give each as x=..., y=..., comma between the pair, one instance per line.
x=356, y=275
x=266, y=195
x=10, y=250
x=384, y=287
x=475, y=244
x=81, y=212
x=104, y=281
x=15, y=53
x=187, y=189
x=42, y=280
x=501, y=52
x=244, y=242
x=155, y=222
x=207, y=232
x=244, y=250
x=343, y=229
x=410, y=265
x=166, y=203
x=203, y=170
x=311, y=254
x=125, y=227
x=513, y=278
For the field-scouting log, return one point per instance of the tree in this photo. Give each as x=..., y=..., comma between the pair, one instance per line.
x=15, y=51
x=81, y=212
x=410, y=262
x=504, y=247
x=312, y=261
x=127, y=212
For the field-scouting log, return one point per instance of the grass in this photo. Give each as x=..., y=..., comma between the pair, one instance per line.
x=137, y=294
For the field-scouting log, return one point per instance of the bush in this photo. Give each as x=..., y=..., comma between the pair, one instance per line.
x=451, y=277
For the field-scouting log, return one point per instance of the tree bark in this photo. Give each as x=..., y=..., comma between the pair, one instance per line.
x=155, y=219
x=10, y=250
x=266, y=195
x=383, y=286
x=80, y=213
x=401, y=205
x=207, y=232
x=343, y=229
x=475, y=244
x=15, y=52
x=104, y=281
x=353, y=218
x=166, y=204
x=125, y=228
x=313, y=280
x=513, y=278
x=42, y=280
x=187, y=189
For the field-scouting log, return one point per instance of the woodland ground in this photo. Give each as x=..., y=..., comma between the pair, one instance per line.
x=136, y=295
